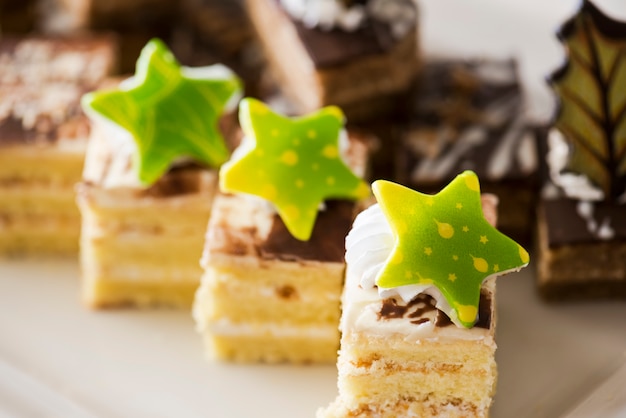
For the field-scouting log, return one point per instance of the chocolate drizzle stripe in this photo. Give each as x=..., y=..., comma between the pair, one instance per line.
x=423, y=304
x=463, y=118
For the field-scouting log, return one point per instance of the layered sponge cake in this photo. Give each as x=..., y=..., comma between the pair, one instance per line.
x=150, y=178
x=141, y=246
x=416, y=342
x=266, y=296
x=43, y=138
x=270, y=290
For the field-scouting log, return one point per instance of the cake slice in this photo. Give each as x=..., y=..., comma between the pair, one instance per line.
x=271, y=285
x=581, y=229
x=43, y=138
x=149, y=180
x=418, y=321
x=359, y=57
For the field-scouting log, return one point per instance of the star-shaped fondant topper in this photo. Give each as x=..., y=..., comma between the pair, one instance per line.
x=169, y=110
x=293, y=163
x=444, y=240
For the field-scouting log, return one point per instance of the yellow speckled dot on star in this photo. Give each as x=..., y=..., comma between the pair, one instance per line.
x=424, y=228
x=299, y=160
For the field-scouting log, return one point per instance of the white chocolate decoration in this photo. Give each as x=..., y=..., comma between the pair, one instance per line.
x=576, y=186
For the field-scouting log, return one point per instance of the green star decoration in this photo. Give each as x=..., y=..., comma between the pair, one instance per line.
x=170, y=111
x=293, y=163
x=463, y=248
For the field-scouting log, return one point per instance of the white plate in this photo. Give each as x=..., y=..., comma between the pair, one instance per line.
x=58, y=359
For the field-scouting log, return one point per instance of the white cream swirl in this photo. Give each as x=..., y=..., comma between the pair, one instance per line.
x=368, y=245
x=370, y=242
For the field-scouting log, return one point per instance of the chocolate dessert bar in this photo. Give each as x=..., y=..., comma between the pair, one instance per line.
x=581, y=249
x=359, y=57
x=582, y=230
x=43, y=138
x=470, y=115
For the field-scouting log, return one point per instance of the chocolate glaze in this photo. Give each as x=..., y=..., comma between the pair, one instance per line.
x=327, y=240
x=27, y=80
x=423, y=304
x=335, y=47
x=450, y=98
x=45, y=128
x=566, y=227
x=177, y=181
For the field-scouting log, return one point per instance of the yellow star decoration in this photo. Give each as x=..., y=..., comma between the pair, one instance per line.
x=434, y=225
x=293, y=163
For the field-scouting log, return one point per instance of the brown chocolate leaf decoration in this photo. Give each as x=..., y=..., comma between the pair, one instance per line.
x=591, y=87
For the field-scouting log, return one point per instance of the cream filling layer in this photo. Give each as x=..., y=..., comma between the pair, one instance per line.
x=224, y=327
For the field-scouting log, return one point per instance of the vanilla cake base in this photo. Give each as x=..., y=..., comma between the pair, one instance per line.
x=401, y=359
x=143, y=248
x=266, y=296
x=43, y=137
x=38, y=213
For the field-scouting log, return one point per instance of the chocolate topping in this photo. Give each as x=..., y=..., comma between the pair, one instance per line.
x=41, y=83
x=41, y=114
x=335, y=47
x=276, y=243
x=565, y=226
x=177, y=181
x=422, y=304
x=38, y=60
x=326, y=243
x=465, y=115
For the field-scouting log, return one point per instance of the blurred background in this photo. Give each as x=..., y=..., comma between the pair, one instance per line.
x=207, y=31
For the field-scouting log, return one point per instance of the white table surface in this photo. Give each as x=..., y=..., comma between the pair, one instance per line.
x=58, y=359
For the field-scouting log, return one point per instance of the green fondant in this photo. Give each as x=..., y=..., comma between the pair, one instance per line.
x=170, y=112
x=444, y=240
x=294, y=163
